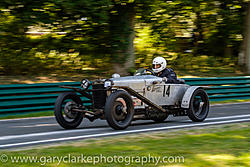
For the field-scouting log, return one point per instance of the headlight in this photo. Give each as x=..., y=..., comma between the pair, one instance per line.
x=85, y=84
x=116, y=75
x=107, y=84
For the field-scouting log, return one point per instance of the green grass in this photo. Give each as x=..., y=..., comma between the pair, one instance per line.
x=217, y=146
x=229, y=101
x=28, y=115
x=92, y=75
x=48, y=78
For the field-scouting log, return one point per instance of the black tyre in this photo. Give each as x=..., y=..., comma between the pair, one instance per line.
x=64, y=116
x=161, y=118
x=119, y=110
x=199, y=106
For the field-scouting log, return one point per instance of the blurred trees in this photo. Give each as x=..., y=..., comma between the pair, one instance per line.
x=87, y=34
x=187, y=29
x=68, y=30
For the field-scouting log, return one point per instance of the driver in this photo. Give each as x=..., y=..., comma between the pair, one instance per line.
x=159, y=66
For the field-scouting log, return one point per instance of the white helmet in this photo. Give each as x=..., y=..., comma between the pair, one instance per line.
x=160, y=61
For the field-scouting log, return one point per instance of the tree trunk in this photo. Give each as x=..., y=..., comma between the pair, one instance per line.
x=243, y=47
x=122, y=35
x=247, y=38
x=198, y=34
x=241, y=55
x=130, y=61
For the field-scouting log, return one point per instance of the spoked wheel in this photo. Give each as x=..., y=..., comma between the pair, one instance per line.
x=119, y=110
x=199, y=106
x=67, y=118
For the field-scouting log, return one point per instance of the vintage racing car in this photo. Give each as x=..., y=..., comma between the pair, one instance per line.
x=121, y=100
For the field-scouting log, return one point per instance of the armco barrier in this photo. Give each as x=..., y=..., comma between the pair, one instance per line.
x=22, y=98
x=224, y=88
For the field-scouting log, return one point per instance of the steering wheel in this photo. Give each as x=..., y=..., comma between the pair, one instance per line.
x=143, y=71
x=149, y=71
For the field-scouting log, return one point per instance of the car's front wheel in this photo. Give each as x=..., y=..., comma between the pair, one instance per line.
x=67, y=118
x=119, y=110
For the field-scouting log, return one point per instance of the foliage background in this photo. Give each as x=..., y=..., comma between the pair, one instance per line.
x=82, y=36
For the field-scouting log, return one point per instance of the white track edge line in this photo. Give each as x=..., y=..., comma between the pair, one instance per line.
x=95, y=129
x=226, y=117
x=48, y=133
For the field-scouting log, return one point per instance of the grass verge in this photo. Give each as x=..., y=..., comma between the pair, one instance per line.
x=77, y=77
x=217, y=146
x=229, y=101
x=28, y=115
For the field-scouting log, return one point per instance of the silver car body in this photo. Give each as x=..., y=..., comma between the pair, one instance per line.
x=155, y=89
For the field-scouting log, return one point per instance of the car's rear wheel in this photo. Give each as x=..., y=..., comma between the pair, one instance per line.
x=199, y=106
x=67, y=118
x=119, y=110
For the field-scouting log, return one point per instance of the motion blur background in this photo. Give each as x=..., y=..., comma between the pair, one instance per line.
x=197, y=37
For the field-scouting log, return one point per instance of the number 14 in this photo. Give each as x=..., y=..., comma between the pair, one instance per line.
x=166, y=91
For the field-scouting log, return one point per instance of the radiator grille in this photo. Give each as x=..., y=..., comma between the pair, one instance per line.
x=99, y=97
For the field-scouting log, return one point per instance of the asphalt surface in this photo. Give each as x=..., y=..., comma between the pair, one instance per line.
x=33, y=131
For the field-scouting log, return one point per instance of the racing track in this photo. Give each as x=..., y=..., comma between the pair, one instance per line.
x=32, y=131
